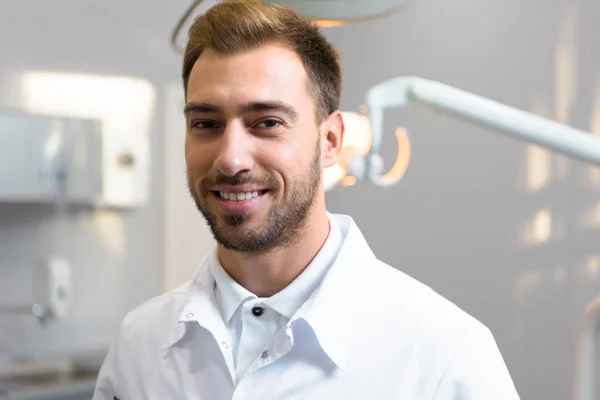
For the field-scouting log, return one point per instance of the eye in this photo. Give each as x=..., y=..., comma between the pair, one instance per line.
x=203, y=124
x=269, y=123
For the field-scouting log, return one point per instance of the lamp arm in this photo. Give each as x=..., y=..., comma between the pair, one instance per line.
x=404, y=91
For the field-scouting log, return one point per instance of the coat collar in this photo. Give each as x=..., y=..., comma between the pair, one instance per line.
x=327, y=312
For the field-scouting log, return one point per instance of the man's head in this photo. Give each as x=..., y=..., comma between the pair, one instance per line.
x=262, y=91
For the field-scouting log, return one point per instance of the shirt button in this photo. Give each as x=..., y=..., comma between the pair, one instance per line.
x=265, y=354
x=225, y=345
x=257, y=311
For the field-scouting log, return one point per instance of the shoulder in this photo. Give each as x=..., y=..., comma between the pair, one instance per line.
x=452, y=349
x=163, y=306
x=422, y=325
x=410, y=302
x=144, y=332
x=154, y=319
x=392, y=297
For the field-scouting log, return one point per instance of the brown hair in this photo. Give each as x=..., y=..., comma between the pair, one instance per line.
x=242, y=25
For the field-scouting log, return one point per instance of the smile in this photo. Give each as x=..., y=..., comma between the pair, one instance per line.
x=238, y=203
x=240, y=196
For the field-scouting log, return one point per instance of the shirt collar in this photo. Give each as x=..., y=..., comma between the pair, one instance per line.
x=228, y=293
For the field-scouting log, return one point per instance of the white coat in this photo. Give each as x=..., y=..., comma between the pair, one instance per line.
x=368, y=332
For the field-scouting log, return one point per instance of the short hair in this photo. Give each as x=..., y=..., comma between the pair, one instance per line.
x=242, y=25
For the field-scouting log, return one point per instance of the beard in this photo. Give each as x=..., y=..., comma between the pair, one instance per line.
x=281, y=225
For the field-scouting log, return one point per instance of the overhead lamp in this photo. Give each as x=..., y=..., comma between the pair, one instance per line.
x=326, y=13
x=329, y=13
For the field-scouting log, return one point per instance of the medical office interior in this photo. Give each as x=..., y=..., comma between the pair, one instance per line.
x=506, y=229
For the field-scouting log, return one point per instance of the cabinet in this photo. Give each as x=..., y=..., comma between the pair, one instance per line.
x=47, y=159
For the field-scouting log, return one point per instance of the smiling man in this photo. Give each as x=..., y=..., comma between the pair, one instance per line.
x=292, y=303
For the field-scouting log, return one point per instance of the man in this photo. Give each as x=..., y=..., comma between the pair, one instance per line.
x=292, y=304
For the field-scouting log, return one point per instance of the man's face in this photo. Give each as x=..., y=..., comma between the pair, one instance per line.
x=253, y=149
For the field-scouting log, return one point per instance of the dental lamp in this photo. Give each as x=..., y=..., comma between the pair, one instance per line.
x=326, y=13
x=360, y=159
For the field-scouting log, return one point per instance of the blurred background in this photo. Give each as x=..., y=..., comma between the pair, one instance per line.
x=506, y=230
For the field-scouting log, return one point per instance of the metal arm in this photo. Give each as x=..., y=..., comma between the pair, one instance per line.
x=404, y=91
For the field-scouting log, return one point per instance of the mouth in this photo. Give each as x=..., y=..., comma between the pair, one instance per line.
x=239, y=197
x=240, y=203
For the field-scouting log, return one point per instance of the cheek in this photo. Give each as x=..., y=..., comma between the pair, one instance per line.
x=289, y=159
x=197, y=158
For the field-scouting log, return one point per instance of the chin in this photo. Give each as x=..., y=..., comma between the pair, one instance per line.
x=240, y=225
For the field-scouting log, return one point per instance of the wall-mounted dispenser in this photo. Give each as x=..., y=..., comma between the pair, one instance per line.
x=52, y=292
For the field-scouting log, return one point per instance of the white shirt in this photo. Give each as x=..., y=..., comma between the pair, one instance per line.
x=368, y=332
x=249, y=334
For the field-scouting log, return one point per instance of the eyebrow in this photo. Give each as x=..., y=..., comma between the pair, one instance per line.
x=244, y=108
x=200, y=108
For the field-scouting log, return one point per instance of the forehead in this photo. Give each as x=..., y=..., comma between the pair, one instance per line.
x=269, y=73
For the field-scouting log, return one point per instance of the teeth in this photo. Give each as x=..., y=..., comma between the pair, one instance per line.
x=238, y=196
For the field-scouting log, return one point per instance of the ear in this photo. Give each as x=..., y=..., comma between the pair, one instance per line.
x=332, y=138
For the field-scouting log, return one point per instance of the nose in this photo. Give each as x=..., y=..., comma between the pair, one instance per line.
x=234, y=151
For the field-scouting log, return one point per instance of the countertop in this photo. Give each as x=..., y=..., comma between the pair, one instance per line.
x=51, y=379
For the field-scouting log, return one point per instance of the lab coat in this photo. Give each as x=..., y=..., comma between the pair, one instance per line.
x=368, y=332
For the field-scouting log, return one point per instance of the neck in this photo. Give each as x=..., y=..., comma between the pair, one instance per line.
x=269, y=273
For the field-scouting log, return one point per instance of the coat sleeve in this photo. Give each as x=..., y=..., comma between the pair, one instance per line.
x=477, y=371
x=107, y=387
